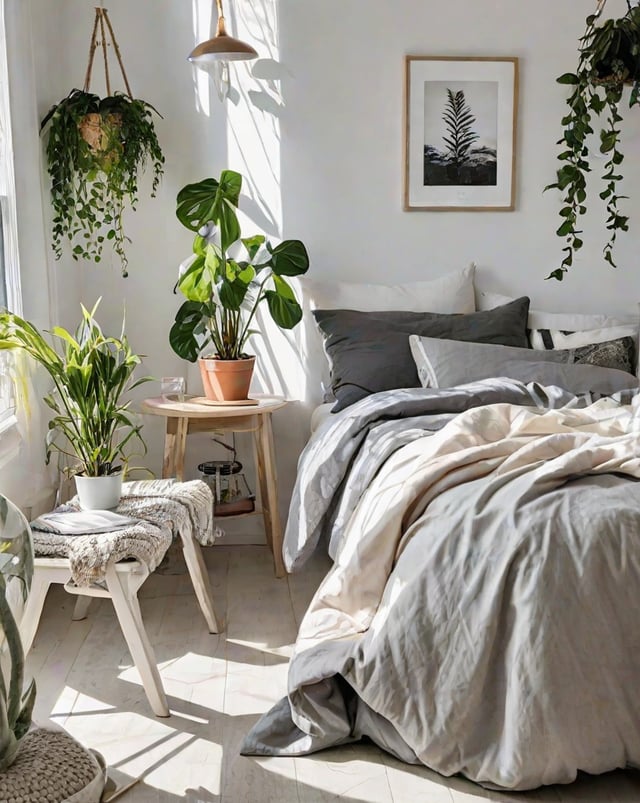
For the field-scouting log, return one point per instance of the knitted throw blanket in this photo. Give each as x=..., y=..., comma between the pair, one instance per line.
x=165, y=509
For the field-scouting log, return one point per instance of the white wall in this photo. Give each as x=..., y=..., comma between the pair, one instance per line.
x=342, y=160
x=324, y=160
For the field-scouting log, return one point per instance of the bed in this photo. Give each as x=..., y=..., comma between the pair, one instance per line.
x=480, y=616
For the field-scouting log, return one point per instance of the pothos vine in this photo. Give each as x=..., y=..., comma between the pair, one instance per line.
x=609, y=57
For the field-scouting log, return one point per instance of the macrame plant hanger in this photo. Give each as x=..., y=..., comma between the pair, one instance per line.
x=602, y=3
x=103, y=22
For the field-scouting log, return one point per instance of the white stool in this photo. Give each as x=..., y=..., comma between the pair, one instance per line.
x=122, y=583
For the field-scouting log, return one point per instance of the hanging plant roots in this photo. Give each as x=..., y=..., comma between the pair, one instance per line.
x=609, y=59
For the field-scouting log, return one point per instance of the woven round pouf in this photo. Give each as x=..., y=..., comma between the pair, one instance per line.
x=51, y=767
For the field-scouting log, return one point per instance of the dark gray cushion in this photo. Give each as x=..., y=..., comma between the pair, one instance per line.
x=369, y=351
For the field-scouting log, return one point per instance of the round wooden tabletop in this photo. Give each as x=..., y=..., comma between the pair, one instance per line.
x=199, y=407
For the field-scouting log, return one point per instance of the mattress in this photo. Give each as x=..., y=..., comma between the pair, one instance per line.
x=320, y=415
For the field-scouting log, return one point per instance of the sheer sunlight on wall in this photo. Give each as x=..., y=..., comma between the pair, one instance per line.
x=251, y=101
x=253, y=106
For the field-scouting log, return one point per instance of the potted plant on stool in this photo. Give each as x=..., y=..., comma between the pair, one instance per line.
x=223, y=292
x=92, y=423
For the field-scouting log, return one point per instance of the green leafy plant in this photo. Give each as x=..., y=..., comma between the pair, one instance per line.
x=459, y=121
x=92, y=374
x=16, y=561
x=609, y=57
x=223, y=292
x=96, y=150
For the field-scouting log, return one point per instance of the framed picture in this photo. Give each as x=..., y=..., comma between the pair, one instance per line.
x=460, y=133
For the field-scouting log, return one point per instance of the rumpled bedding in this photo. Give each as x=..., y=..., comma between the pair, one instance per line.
x=481, y=614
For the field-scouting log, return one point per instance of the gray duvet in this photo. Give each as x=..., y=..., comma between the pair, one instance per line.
x=481, y=616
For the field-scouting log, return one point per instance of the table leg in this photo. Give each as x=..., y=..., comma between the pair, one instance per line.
x=266, y=466
x=175, y=442
x=123, y=590
x=81, y=608
x=42, y=579
x=200, y=580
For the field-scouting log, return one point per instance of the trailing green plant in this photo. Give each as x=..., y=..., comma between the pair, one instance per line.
x=459, y=121
x=224, y=292
x=16, y=704
x=609, y=57
x=92, y=374
x=96, y=151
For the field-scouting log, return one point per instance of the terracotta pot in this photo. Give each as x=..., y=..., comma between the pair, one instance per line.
x=226, y=380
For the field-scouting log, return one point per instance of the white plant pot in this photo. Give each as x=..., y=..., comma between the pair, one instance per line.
x=99, y=493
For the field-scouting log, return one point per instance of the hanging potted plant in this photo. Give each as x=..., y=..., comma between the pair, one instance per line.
x=92, y=425
x=97, y=149
x=608, y=60
x=224, y=292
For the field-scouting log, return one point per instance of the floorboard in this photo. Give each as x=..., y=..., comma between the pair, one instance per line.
x=217, y=686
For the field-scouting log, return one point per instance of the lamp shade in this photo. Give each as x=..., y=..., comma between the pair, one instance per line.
x=221, y=48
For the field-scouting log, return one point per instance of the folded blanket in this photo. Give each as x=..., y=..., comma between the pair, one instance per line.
x=164, y=509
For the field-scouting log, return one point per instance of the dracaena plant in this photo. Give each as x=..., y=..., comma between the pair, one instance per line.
x=608, y=58
x=229, y=276
x=92, y=375
x=16, y=565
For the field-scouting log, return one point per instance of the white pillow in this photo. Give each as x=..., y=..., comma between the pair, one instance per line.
x=451, y=293
x=562, y=321
x=447, y=294
x=559, y=339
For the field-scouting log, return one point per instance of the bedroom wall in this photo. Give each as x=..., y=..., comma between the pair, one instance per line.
x=319, y=138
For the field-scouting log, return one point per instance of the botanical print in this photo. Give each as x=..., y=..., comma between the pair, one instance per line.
x=460, y=133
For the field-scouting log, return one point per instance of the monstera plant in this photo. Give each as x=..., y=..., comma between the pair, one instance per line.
x=226, y=280
x=608, y=60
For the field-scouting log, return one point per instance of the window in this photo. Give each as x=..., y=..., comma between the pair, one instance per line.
x=9, y=266
x=3, y=283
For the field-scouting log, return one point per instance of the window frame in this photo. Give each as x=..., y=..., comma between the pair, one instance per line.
x=8, y=211
x=9, y=256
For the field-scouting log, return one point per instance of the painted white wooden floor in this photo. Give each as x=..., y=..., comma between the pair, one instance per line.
x=217, y=687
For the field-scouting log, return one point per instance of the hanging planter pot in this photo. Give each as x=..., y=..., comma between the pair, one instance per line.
x=96, y=150
x=608, y=60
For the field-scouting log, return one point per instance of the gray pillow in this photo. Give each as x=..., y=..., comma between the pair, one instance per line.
x=369, y=351
x=447, y=363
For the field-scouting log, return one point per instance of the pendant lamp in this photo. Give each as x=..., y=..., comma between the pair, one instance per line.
x=222, y=47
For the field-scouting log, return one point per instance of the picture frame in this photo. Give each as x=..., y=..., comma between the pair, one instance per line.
x=460, y=115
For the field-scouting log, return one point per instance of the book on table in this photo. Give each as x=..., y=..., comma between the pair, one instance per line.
x=82, y=522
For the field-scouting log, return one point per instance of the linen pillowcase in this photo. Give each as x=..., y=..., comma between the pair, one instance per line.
x=571, y=330
x=562, y=321
x=452, y=292
x=447, y=363
x=369, y=351
x=611, y=348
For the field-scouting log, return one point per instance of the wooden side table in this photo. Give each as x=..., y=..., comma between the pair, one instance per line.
x=186, y=417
